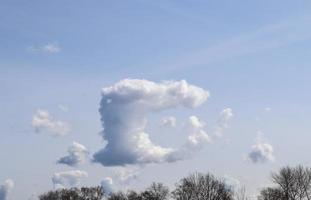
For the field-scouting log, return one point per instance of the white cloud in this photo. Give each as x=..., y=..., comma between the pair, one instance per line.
x=198, y=136
x=5, y=189
x=77, y=154
x=232, y=182
x=68, y=178
x=223, y=120
x=168, y=121
x=126, y=175
x=107, y=184
x=50, y=48
x=261, y=151
x=124, y=108
x=268, y=109
x=197, y=139
x=43, y=121
x=268, y=37
x=63, y=108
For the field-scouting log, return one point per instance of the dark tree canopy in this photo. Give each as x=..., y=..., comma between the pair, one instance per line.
x=291, y=183
x=91, y=193
x=194, y=187
x=157, y=191
x=202, y=187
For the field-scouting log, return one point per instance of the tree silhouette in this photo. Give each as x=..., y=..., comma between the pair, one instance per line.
x=292, y=183
x=202, y=187
x=91, y=193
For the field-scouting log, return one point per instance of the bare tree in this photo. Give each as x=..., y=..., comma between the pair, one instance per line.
x=157, y=191
x=133, y=195
x=286, y=180
x=292, y=183
x=91, y=193
x=240, y=194
x=117, y=196
x=202, y=187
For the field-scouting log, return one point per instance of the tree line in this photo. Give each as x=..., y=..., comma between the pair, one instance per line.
x=289, y=183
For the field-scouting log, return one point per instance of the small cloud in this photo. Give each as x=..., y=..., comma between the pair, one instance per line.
x=43, y=121
x=169, y=121
x=63, y=108
x=77, y=154
x=268, y=109
x=261, y=151
x=5, y=189
x=197, y=136
x=68, y=178
x=195, y=122
x=107, y=184
x=197, y=139
x=50, y=48
x=126, y=175
x=223, y=120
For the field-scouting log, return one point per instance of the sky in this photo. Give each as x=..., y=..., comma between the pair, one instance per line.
x=123, y=93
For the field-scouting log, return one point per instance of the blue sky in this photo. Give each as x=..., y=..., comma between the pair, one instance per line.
x=249, y=55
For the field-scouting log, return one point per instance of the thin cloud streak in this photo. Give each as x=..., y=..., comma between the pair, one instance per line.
x=269, y=37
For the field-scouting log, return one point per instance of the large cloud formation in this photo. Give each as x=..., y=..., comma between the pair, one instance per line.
x=5, y=189
x=77, y=154
x=124, y=108
x=68, y=178
x=42, y=121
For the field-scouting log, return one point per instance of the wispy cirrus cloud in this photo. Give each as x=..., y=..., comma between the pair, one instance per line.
x=268, y=37
x=50, y=48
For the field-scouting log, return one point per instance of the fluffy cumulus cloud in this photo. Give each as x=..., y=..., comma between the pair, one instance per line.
x=197, y=136
x=168, y=121
x=124, y=108
x=107, y=184
x=223, y=120
x=5, y=189
x=261, y=151
x=68, y=178
x=197, y=139
x=77, y=154
x=42, y=121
